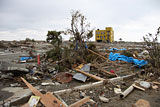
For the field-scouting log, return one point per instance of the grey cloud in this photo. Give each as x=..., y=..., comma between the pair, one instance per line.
x=55, y=14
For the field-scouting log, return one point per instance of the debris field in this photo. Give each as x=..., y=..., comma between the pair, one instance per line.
x=119, y=74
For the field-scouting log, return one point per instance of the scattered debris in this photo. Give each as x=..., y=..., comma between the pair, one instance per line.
x=155, y=82
x=90, y=75
x=113, y=49
x=15, y=85
x=80, y=102
x=64, y=77
x=53, y=70
x=33, y=101
x=142, y=103
x=18, y=69
x=104, y=99
x=47, y=99
x=145, y=84
x=82, y=94
x=140, y=88
x=49, y=83
x=117, y=90
x=154, y=87
x=127, y=91
x=25, y=58
x=79, y=76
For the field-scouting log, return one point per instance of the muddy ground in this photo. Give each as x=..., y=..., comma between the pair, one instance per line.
x=153, y=96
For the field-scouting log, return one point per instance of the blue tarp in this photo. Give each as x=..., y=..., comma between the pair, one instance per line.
x=76, y=48
x=123, y=49
x=117, y=56
x=25, y=58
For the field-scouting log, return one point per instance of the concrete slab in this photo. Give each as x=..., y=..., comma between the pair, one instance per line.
x=18, y=94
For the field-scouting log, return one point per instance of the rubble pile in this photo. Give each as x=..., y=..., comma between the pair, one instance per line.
x=107, y=73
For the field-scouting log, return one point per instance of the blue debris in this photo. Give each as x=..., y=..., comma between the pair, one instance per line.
x=117, y=56
x=113, y=49
x=86, y=46
x=76, y=48
x=25, y=58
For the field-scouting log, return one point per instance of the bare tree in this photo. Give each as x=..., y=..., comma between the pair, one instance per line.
x=80, y=29
x=153, y=48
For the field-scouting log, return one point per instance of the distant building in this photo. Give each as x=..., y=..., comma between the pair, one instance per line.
x=106, y=35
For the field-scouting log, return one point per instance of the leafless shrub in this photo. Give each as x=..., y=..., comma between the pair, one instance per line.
x=153, y=47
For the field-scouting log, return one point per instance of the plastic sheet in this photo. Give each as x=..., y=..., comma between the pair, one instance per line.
x=25, y=58
x=117, y=56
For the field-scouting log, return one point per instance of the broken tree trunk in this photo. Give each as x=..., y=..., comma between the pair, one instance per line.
x=80, y=102
x=90, y=75
x=87, y=86
x=47, y=99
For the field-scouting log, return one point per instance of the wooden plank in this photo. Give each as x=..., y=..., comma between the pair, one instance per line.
x=90, y=75
x=80, y=66
x=97, y=54
x=80, y=102
x=47, y=99
x=155, y=82
x=140, y=88
x=102, y=56
x=33, y=89
x=51, y=98
x=107, y=72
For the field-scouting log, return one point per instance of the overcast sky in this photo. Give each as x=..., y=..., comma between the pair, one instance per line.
x=130, y=19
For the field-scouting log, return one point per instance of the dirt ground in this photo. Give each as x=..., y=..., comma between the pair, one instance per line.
x=153, y=96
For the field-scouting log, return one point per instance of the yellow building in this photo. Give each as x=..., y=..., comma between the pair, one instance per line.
x=106, y=35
